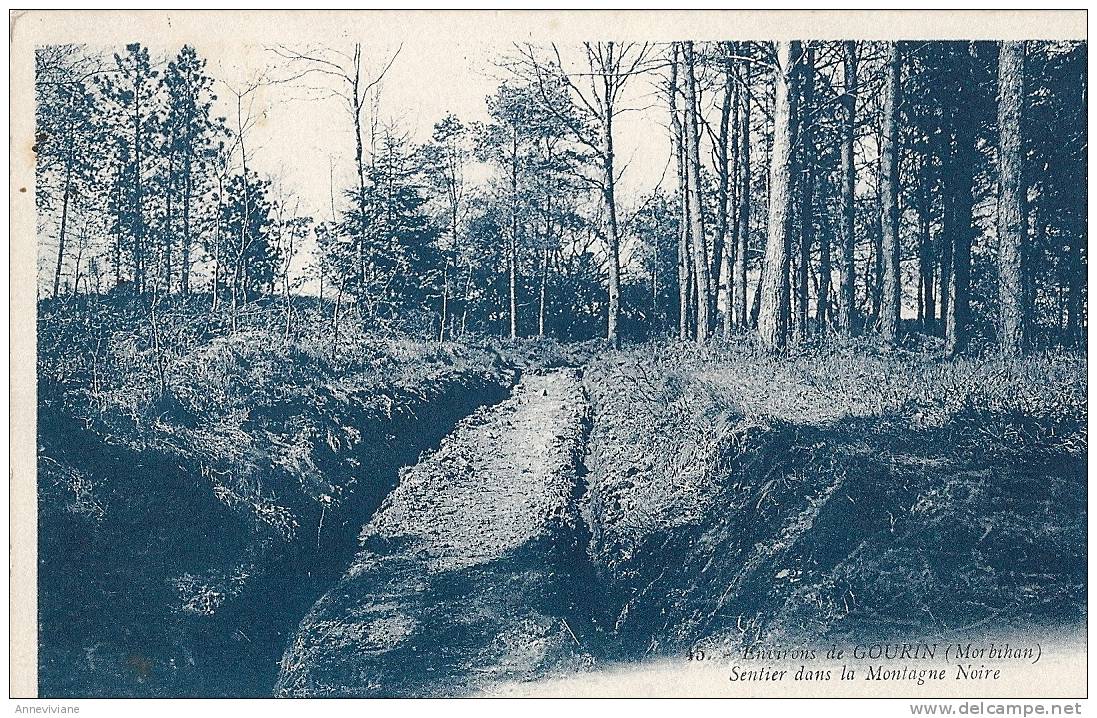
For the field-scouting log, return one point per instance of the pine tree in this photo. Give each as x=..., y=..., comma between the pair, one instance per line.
x=773, y=313
x=246, y=216
x=1011, y=198
x=193, y=136
x=891, y=289
x=444, y=162
x=69, y=136
x=131, y=113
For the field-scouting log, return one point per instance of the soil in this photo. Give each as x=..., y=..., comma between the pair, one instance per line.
x=138, y=599
x=467, y=574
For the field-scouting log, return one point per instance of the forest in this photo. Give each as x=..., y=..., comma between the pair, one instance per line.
x=807, y=359
x=929, y=189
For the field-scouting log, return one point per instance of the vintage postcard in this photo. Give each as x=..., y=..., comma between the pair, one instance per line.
x=549, y=353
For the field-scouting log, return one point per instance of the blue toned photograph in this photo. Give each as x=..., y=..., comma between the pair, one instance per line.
x=372, y=365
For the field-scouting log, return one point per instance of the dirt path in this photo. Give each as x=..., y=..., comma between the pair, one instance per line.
x=465, y=573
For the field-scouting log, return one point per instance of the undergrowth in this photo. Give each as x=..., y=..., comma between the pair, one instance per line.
x=843, y=488
x=188, y=473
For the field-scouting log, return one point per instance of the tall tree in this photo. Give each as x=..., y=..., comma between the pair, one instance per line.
x=348, y=80
x=846, y=273
x=130, y=94
x=678, y=145
x=773, y=313
x=891, y=299
x=402, y=259
x=607, y=70
x=655, y=225
x=1055, y=136
x=1011, y=198
x=959, y=200
x=444, y=159
x=194, y=136
x=693, y=198
x=244, y=236
x=506, y=142
x=726, y=156
x=247, y=216
x=807, y=188
x=555, y=187
x=743, y=179
x=927, y=300
x=68, y=134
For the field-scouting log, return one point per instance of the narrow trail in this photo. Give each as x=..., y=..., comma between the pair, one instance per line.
x=466, y=573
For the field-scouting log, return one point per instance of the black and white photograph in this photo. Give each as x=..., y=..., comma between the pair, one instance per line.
x=442, y=354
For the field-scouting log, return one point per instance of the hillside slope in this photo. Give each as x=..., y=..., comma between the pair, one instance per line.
x=736, y=500
x=186, y=526
x=463, y=576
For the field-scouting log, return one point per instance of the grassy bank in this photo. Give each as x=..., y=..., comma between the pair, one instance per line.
x=199, y=487
x=735, y=497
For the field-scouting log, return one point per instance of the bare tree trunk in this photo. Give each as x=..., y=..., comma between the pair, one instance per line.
x=356, y=110
x=756, y=302
x=960, y=194
x=877, y=281
x=1030, y=259
x=846, y=270
x=944, y=279
x=822, y=300
x=890, y=305
x=726, y=264
x=731, y=251
x=724, y=169
x=512, y=240
x=512, y=286
x=1011, y=212
x=445, y=301
x=447, y=262
x=187, y=188
x=946, y=152
x=807, y=204
x=169, y=185
x=465, y=300
x=237, y=279
x=609, y=181
x=118, y=230
x=335, y=318
x=543, y=293
x=693, y=196
x=773, y=308
x=215, y=299
x=685, y=273
x=927, y=304
x=678, y=137
x=80, y=245
x=743, y=214
x=64, y=214
x=138, y=199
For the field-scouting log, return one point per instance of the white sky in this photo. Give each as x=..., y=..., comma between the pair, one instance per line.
x=300, y=137
x=304, y=141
